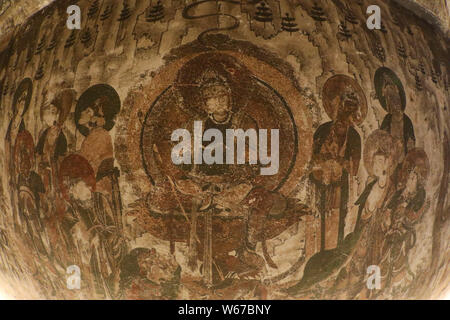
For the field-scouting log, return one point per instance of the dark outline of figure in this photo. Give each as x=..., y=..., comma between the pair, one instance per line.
x=90, y=96
x=97, y=219
x=370, y=226
x=351, y=154
x=401, y=235
x=63, y=102
x=25, y=85
x=104, y=102
x=30, y=189
x=380, y=84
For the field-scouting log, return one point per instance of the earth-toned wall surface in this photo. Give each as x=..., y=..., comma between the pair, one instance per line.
x=88, y=185
x=438, y=8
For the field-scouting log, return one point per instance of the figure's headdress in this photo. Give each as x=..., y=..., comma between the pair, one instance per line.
x=213, y=83
x=380, y=143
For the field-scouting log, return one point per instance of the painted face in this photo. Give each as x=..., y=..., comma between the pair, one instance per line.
x=93, y=115
x=379, y=165
x=97, y=105
x=25, y=162
x=217, y=103
x=350, y=105
x=86, y=116
x=411, y=182
x=80, y=191
x=393, y=99
x=50, y=115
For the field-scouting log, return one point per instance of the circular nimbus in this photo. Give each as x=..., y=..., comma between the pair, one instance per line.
x=253, y=101
x=382, y=76
x=110, y=106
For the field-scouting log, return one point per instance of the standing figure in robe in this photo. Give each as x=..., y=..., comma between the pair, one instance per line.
x=380, y=154
x=51, y=147
x=392, y=98
x=94, y=117
x=404, y=209
x=336, y=157
x=30, y=191
x=20, y=106
x=52, y=143
x=97, y=242
x=380, y=160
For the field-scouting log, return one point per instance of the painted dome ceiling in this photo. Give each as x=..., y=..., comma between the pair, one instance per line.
x=327, y=177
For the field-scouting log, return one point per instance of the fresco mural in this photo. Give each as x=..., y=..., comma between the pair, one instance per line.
x=88, y=180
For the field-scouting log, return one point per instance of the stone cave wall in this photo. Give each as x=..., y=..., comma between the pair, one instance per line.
x=133, y=59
